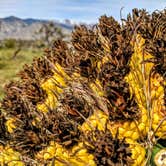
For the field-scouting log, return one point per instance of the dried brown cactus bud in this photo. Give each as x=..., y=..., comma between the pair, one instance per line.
x=57, y=126
x=106, y=149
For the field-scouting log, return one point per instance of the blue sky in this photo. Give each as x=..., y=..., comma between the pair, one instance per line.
x=77, y=10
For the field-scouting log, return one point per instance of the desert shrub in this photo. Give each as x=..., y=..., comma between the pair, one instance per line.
x=9, y=43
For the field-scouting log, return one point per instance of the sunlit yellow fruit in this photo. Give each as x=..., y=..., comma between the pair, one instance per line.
x=138, y=153
x=158, y=115
x=76, y=156
x=53, y=86
x=97, y=88
x=10, y=157
x=10, y=125
x=97, y=120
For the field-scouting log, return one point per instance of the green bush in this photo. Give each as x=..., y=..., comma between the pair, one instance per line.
x=10, y=43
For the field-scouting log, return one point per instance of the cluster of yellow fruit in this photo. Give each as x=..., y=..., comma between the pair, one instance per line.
x=99, y=102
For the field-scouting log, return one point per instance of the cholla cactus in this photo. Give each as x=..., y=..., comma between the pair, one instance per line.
x=99, y=101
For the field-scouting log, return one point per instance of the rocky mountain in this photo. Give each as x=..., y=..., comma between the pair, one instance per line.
x=25, y=29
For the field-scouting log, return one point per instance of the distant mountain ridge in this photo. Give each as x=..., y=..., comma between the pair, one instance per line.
x=27, y=20
x=25, y=29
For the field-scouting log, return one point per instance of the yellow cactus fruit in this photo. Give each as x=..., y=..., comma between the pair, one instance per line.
x=158, y=112
x=76, y=156
x=10, y=157
x=10, y=125
x=138, y=154
x=96, y=87
x=97, y=120
x=53, y=86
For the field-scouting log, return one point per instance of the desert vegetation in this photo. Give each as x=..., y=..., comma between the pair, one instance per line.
x=14, y=53
x=100, y=100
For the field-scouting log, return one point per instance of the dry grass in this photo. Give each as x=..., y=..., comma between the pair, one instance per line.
x=9, y=67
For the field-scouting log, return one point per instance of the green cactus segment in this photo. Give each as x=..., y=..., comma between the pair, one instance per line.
x=155, y=160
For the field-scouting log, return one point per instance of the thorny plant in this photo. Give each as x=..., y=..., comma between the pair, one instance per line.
x=76, y=103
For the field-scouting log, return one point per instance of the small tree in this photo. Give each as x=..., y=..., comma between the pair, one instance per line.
x=50, y=31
